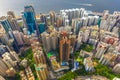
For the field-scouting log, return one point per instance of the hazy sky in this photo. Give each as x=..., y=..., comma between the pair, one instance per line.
x=6, y=5
x=18, y=5
x=43, y=6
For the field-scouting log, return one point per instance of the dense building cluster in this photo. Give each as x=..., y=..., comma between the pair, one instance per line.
x=54, y=39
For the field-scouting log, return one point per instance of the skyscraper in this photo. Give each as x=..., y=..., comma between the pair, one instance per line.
x=86, y=35
x=17, y=40
x=29, y=19
x=4, y=39
x=101, y=48
x=46, y=41
x=64, y=19
x=66, y=22
x=59, y=21
x=64, y=47
x=14, y=23
x=76, y=24
x=5, y=23
x=79, y=40
x=18, y=36
x=72, y=38
x=52, y=17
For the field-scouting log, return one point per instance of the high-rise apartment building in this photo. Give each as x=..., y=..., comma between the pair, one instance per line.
x=86, y=35
x=88, y=64
x=79, y=40
x=27, y=74
x=18, y=40
x=74, y=13
x=64, y=47
x=39, y=57
x=9, y=60
x=59, y=21
x=3, y=68
x=50, y=41
x=18, y=36
x=106, y=59
x=14, y=23
x=42, y=71
x=14, y=56
x=101, y=48
x=52, y=17
x=83, y=22
x=66, y=22
x=4, y=38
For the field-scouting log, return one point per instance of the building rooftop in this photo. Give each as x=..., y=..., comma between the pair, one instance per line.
x=86, y=54
x=109, y=56
x=89, y=62
x=103, y=45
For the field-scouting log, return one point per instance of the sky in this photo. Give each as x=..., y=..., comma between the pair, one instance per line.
x=46, y=5
x=18, y=5
x=6, y=5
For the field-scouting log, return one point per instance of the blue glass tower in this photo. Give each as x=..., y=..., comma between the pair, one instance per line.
x=29, y=18
x=42, y=27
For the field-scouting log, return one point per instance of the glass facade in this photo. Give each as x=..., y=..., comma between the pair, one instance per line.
x=42, y=27
x=6, y=25
x=29, y=16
